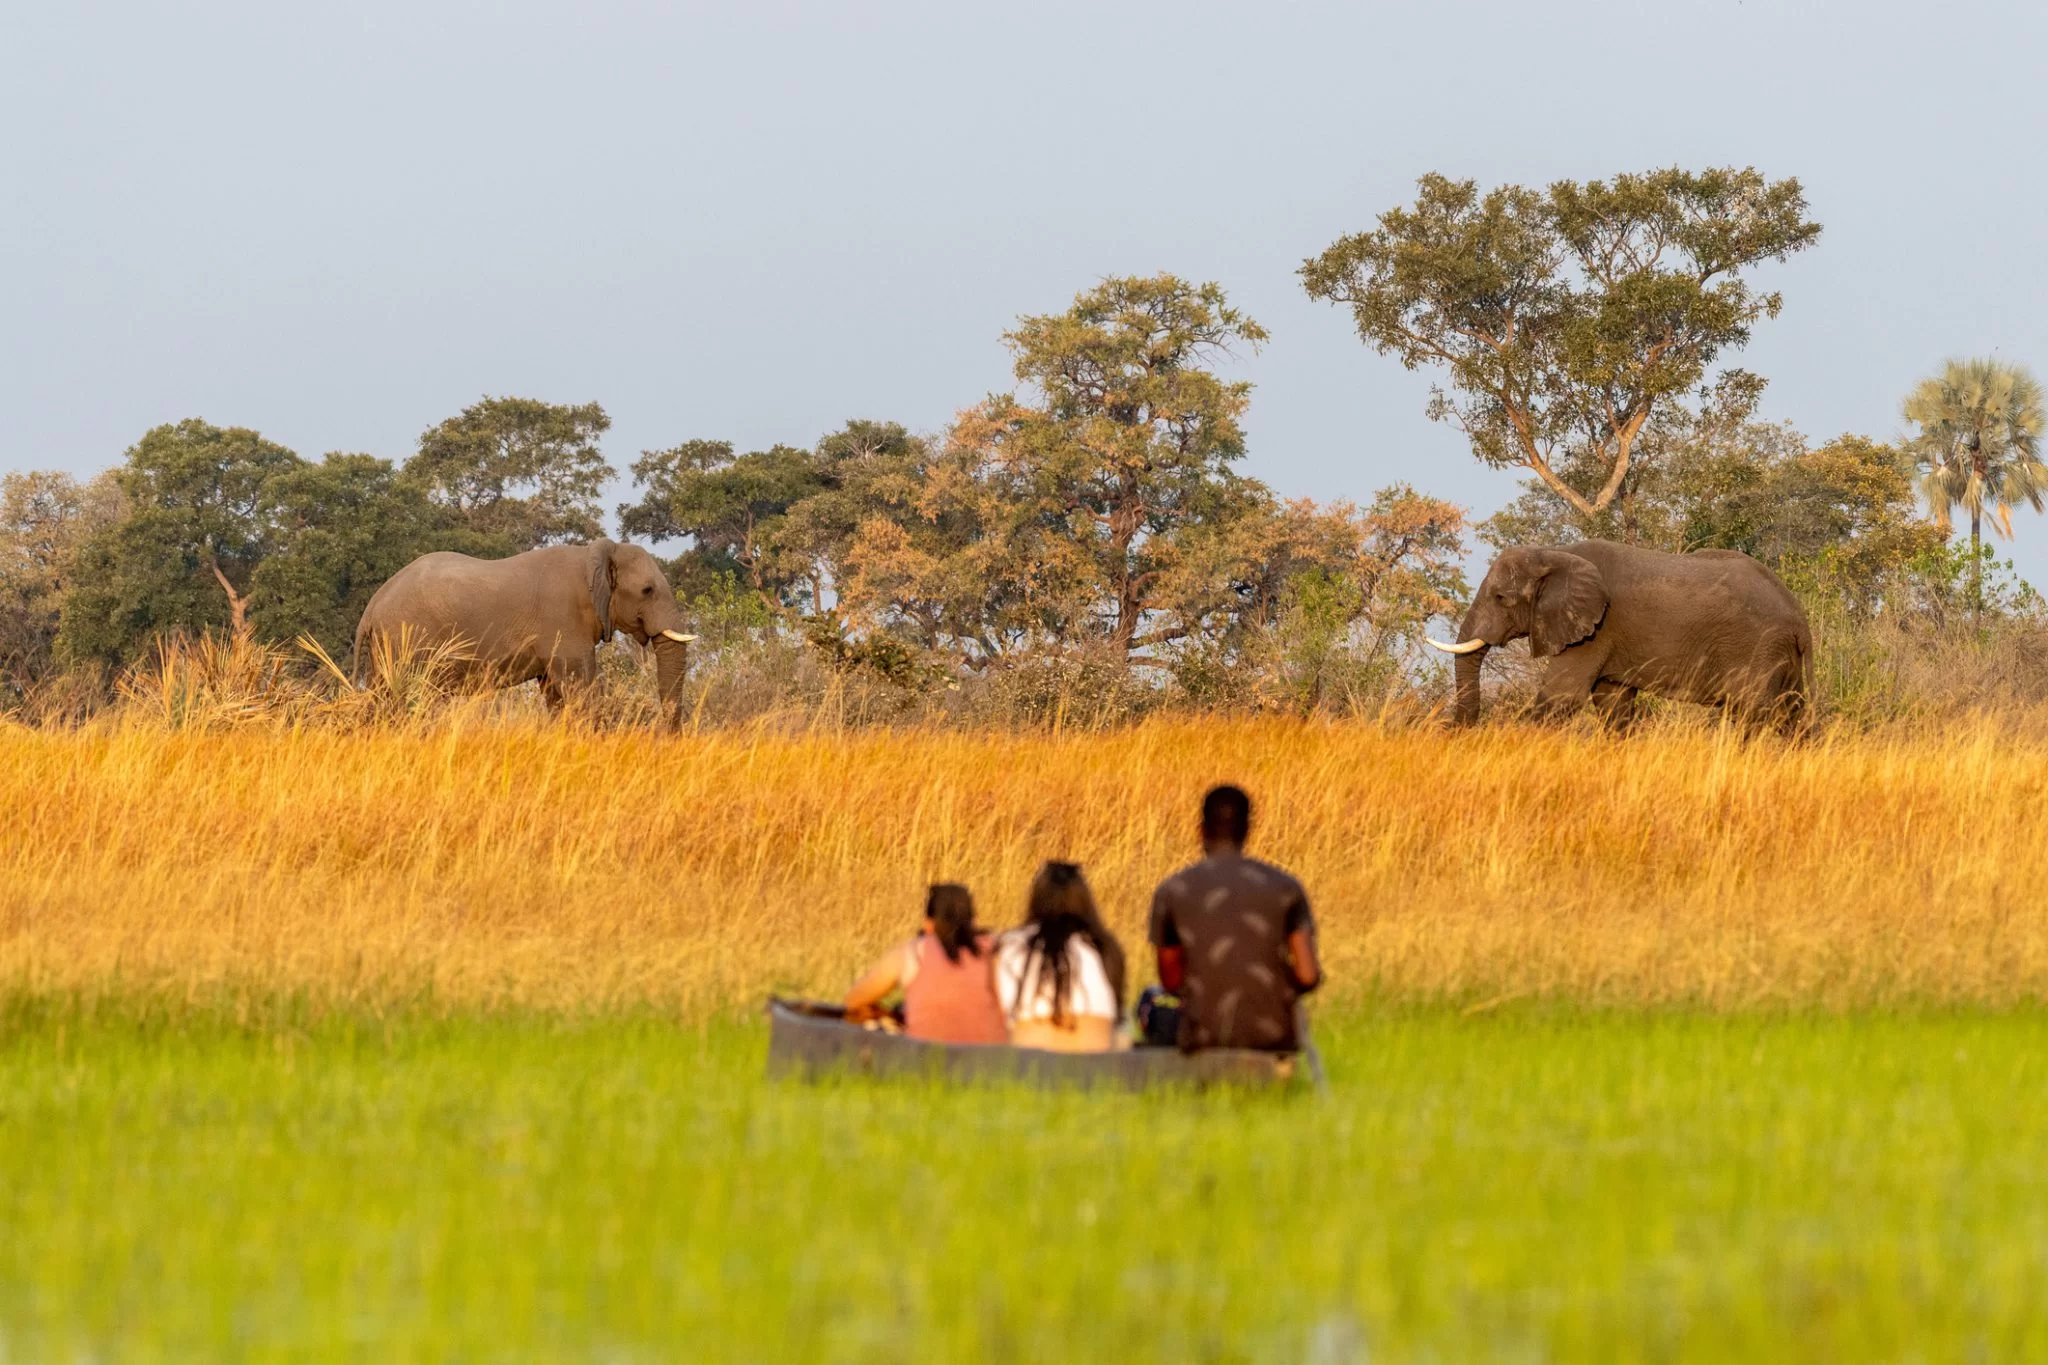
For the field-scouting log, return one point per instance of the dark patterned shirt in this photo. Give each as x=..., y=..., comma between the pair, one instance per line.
x=1230, y=916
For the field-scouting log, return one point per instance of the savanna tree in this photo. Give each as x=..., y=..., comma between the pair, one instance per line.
x=731, y=507
x=218, y=529
x=335, y=531
x=45, y=517
x=950, y=544
x=1565, y=319
x=517, y=473
x=1298, y=590
x=1979, y=448
x=184, y=556
x=1123, y=438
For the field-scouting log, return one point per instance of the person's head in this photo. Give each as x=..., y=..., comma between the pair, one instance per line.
x=1061, y=906
x=1059, y=890
x=949, y=918
x=1226, y=818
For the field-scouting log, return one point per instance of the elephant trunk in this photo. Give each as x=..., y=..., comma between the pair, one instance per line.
x=1466, y=669
x=671, y=664
x=1466, y=672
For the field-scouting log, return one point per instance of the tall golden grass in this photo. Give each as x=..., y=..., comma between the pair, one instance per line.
x=482, y=860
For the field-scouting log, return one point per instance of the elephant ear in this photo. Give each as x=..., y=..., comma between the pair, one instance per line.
x=1570, y=601
x=603, y=578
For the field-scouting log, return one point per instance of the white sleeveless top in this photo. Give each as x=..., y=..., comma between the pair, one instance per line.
x=1088, y=989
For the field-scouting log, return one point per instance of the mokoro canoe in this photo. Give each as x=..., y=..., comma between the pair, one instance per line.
x=808, y=1040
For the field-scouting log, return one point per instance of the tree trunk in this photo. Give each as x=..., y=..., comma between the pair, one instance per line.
x=1976, y=572
x=1127, y=614
x=238, y=605
x=1128, y=610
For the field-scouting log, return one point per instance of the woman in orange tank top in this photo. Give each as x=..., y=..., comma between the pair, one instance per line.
x=946, y=974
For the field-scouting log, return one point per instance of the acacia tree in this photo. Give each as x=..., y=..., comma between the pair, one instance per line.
x=1131, y=437
x=1979, y=448
x=1566, y=318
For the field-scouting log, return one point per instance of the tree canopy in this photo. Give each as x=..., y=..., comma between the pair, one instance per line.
x=517, y=473
x=1095, y=508
x=185, y=555
x=1126, y=436
x=338, y=529
x=1053, y=514
x=1095, y=516
x=1979, y=448
x=731, y=506
x=1844, y=511
x=1566, y=319
x=45, y=518
x=220, y=529
x=1979, y=443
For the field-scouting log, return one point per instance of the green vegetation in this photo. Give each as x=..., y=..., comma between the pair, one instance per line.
x=1979, y=448
x=1568, y=319
x=517, y=473
x=1088, y=545
x=1516, y=1184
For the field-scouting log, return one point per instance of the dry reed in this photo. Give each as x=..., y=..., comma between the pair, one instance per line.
x=488, y=861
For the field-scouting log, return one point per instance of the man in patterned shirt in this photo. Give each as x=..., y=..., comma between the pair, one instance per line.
x=1235, y=939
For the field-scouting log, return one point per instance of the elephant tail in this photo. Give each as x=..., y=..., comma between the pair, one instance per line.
x=359, y=661
x=1795, y=696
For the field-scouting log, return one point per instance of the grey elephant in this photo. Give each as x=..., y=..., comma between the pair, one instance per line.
x=1713, y=627
x=539, y=615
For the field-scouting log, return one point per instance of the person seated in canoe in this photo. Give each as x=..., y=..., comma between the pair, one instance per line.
x=1060, y=975
x=1235, y=939
x=945, y=974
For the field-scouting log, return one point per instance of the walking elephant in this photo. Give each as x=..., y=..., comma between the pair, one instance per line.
x=540, y=615
x=1713, y=627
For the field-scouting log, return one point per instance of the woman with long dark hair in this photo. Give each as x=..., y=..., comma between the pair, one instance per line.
x=1060, y=975
x=944, y=974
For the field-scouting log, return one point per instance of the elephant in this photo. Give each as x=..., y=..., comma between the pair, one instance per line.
x=541, y=615
x=1713, y=627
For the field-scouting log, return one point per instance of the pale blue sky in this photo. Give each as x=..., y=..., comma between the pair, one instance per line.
x=340, y=224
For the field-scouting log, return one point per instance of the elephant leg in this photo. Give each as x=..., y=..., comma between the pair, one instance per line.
x=1783, y=715
x=1616, y=703
x=1760, y=703
x=1788, y=698
x=1568, y=683
x=567, y=674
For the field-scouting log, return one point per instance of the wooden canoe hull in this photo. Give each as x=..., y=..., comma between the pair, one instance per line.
x=807, y=1041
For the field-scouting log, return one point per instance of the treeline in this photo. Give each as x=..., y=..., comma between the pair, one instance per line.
x=1576, y=330
x=205, y=528
x=1093, y=525
x=1095, y=511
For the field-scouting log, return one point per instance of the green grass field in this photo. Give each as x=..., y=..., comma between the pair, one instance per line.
x=1519, y=1185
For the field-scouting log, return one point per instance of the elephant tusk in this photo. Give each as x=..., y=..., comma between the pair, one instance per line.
x=677, y=636
x=1466, y=648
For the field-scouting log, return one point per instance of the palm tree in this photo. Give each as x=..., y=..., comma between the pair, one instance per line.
x=1979, y=447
